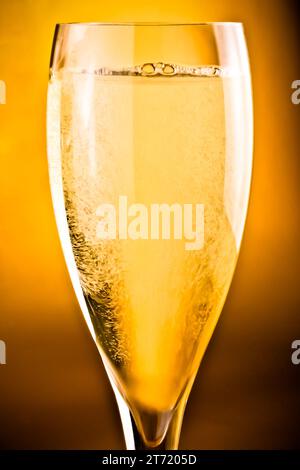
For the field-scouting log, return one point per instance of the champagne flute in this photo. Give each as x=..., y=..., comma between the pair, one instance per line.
x=150, y=155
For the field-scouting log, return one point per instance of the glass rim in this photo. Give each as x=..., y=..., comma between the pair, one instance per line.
x=153, y=23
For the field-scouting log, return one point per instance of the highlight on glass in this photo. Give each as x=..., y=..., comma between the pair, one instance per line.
x=150, y=155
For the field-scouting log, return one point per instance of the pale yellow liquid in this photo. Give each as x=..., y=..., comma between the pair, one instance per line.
x=152, y=303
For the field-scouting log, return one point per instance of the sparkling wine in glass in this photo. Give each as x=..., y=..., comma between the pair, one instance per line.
x=150, y=156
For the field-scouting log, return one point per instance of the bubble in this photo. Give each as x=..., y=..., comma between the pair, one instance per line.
x=169, y=69
x=148, y=69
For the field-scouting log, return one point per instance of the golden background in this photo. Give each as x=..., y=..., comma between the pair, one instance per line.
x=53, y=390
